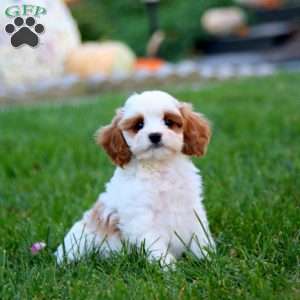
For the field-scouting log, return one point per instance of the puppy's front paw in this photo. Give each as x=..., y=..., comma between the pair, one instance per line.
x=168, y=259
x=168, y=262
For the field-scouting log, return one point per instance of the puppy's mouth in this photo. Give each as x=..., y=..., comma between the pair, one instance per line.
x=156, y=146
x=159, y=146
x=155, y=149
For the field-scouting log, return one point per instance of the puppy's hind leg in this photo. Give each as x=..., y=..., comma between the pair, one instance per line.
x=76, y=244
x=94, y=232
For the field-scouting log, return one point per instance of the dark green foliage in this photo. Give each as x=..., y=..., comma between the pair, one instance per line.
x=127, y=21
x=51, y=171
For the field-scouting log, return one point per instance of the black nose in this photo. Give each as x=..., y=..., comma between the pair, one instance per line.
x=155, y=138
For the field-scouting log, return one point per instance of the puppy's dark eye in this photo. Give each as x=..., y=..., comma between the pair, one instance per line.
x=139, y=125
x=169, y=122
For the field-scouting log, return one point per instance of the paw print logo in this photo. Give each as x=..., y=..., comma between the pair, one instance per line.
x=24, y=32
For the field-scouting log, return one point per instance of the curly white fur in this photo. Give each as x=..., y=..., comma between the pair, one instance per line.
x=155, y=197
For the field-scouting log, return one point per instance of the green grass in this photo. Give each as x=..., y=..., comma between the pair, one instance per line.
x=51, y=171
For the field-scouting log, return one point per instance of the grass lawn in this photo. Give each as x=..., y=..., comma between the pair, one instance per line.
x=51, y=171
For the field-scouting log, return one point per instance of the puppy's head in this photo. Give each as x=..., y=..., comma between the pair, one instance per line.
x=154, y=126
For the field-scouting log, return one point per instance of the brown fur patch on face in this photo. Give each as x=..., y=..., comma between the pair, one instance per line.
x=173, y=121
x=196, y=131
x=96, y=223
x=133, y=125
x=111, y=139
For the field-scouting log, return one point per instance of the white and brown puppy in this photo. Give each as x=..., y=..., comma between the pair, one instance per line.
x=155, y=194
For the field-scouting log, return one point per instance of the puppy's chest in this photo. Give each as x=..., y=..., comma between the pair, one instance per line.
x=163, y=198
x=165, y=194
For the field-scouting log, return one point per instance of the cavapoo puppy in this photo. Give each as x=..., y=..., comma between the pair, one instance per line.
x=154, y=198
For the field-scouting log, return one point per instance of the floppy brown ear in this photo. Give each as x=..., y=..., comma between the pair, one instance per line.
x=111, y=139
x=196, y=131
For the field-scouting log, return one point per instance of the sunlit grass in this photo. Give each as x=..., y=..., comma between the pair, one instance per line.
x=51, y=171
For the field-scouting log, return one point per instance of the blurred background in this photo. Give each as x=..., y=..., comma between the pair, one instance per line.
x=90, y=46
